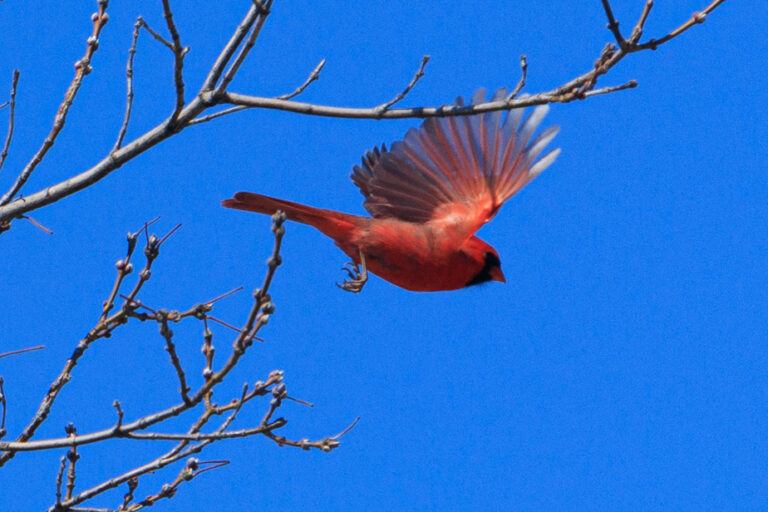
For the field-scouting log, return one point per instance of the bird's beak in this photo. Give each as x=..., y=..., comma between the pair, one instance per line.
x=498, y=275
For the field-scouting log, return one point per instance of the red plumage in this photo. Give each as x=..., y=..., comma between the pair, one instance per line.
x=428, y=195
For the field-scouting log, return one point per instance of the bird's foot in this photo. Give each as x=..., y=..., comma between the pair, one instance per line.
x=357, y=277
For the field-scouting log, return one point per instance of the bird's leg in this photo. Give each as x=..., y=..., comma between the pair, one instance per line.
x=357, y=278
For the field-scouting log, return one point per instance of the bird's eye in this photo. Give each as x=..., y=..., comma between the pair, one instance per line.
x=492, y=260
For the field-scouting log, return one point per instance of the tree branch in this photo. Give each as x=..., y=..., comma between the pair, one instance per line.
x=82, y=68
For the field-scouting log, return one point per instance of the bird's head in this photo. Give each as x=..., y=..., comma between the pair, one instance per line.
x=486, y=262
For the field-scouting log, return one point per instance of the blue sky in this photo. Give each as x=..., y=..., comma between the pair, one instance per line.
x=622, y=367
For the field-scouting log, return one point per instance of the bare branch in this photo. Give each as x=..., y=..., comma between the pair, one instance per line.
x=11, y=113
x=4, y=405
x=129, y=85
x=521, y=83
x=230, y=48
x=697, y=18
x=637, y=32
x=419, y=73
x=613, y=25
x=82, y=68
x=314, y=75
x=178, y=54
x=263, y=7
x=577, y=88
x=21, y=351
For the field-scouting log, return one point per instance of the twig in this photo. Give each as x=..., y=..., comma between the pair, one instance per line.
x=167, y=333
x=230, y=48
x=159, y=38
x=72, y=457
x=697, y=18
x=82, y=68
x=60, y=478
x=129, y=85
x=103, y=328
x=419, y=73
x=21, y=351
x=178, y=55
x=210, y=96
x=11, y=112
x=314, y=75
x=637, y=32
x=4, y=404
x=520, y=83
x=613, y=25
x=263, y=7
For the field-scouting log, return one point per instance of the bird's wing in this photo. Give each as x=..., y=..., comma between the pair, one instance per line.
x=456, y=169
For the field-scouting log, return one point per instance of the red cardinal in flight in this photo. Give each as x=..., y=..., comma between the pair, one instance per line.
x=428, y=195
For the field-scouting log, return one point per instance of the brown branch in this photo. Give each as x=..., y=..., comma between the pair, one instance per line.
x=262, y=7
x=82, y=68
x=11, y=112
x=416, y=77
x=129, y=85
x=696, y=19
x=102, y=329
x=210, y=95
x=167, y=333
x=4, y=405
x=520, y=83
x=178, y=55
x=637, y=32
x=314, y=75
x=613, y=25
x=21, y=351
x=230, y=48
x=72, y=457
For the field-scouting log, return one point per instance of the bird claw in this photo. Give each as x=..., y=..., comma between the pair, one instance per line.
x=357, y=278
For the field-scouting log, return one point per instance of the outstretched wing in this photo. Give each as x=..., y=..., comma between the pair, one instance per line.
x=456, y=169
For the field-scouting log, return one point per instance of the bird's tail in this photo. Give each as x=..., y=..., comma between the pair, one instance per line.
x=336, y=225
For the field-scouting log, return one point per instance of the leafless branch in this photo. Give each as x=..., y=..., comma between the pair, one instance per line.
x=213, y=92
x=178, y=55
x=129, y=85
x=4, y=405
x=521, y=83
x=416, y=77
x=21, y=351
x=82, y=68
x=314, y=75
x=11, y=112
x=263, y=7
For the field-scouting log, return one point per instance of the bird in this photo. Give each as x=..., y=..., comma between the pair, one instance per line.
x=428, y=195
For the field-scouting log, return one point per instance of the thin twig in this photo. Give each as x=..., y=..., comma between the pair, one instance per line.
x=208, y=97
x=520, y=83
x=263, y=7
x=416, y=77
x=314, y=75
x=11, y=112
x=21, y=351
x=129, y=86
x=178, y=55
x=613, y=25
x=4, y=404
x=167, y=333
x=637, y=32
x=696, y=19
x=82, y=68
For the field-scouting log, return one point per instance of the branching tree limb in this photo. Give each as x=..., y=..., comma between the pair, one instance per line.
x=215, y=91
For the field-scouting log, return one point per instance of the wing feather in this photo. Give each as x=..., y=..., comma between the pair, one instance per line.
x=456, y=169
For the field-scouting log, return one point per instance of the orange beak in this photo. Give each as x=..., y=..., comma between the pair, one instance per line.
x=497, y=275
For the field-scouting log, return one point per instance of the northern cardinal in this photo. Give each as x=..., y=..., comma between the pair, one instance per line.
x=428, y=194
